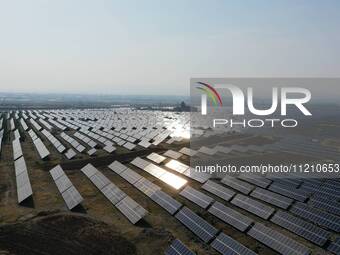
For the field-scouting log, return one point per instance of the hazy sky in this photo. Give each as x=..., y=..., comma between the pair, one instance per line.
x=155, y=47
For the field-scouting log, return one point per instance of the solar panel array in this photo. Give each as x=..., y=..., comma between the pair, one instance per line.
x=277, y=241
x=227, y=245
x=169, y=178
x=187, y=171
x=131, y=209
x=75, y=144
x=300, y=227
x=230, y=216
x=218, y=190
x=316, y=216
x=253, y=206
x=24, y=188
x=196, y=197
x=55, y=142
x=167, y=202
x=236, y=184
x=178, y=248
x=272, y=198
x=69, y=193
x=335, y=246
x=196, y=224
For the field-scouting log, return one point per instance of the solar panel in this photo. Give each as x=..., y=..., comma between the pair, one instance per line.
x=287, y=191
x=173, y=154
x=335, y=246
x=197, y=176
x=147, y=187
x=178, y=248
x=20, y=166
x=196, y=197
x=24, y=192
x=254, y=179
x=218, y=190
x=72, y=197
x=130, y=175
x=316, y=216
x=173, y=180
x=132, y=210
x=196, y=224
x=41, y=148
x=117, y=167
x=300, y=227
x=272, y=198
x=140, y=163
x=63, y=183
x=177, y=166
x=230, y=216
x=277, y=241
x=155, y=170
x=89, y=170
x=113, y=193
x=328, y=205
x=253, y=206
x=167, y=202
x=70, y=154
x=99, y=180
x=228, y=246
x=156, y=157
x=187, y=151
x=234, y=183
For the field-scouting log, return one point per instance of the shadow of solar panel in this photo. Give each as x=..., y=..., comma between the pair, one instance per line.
x=257, y=180
x=178, y=248
x=230, y=216
x=147, y=187
x=72, y=197
x=277, y=241
x=89, y=170
x=316, y=216
x=253, y=206
x=196, y=197
x=131, y=209
x=196, y=224
x=241, y=186
x=335, y=246
x=167, y=202
x=272, y=198
x=228, y=246
x=113, y=193
x=218, y=190
x=287, y=191
x=117, y=167
x=300, y=227
x=130, y=175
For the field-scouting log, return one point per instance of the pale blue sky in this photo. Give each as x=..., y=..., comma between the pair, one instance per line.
x=155, y=47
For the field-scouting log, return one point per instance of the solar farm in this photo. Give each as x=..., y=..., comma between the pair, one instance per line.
x=130, y=169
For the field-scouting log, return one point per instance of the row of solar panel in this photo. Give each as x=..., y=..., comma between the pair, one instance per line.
x=131, y=209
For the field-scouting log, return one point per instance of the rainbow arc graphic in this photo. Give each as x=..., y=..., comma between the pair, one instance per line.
x=210, y=91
